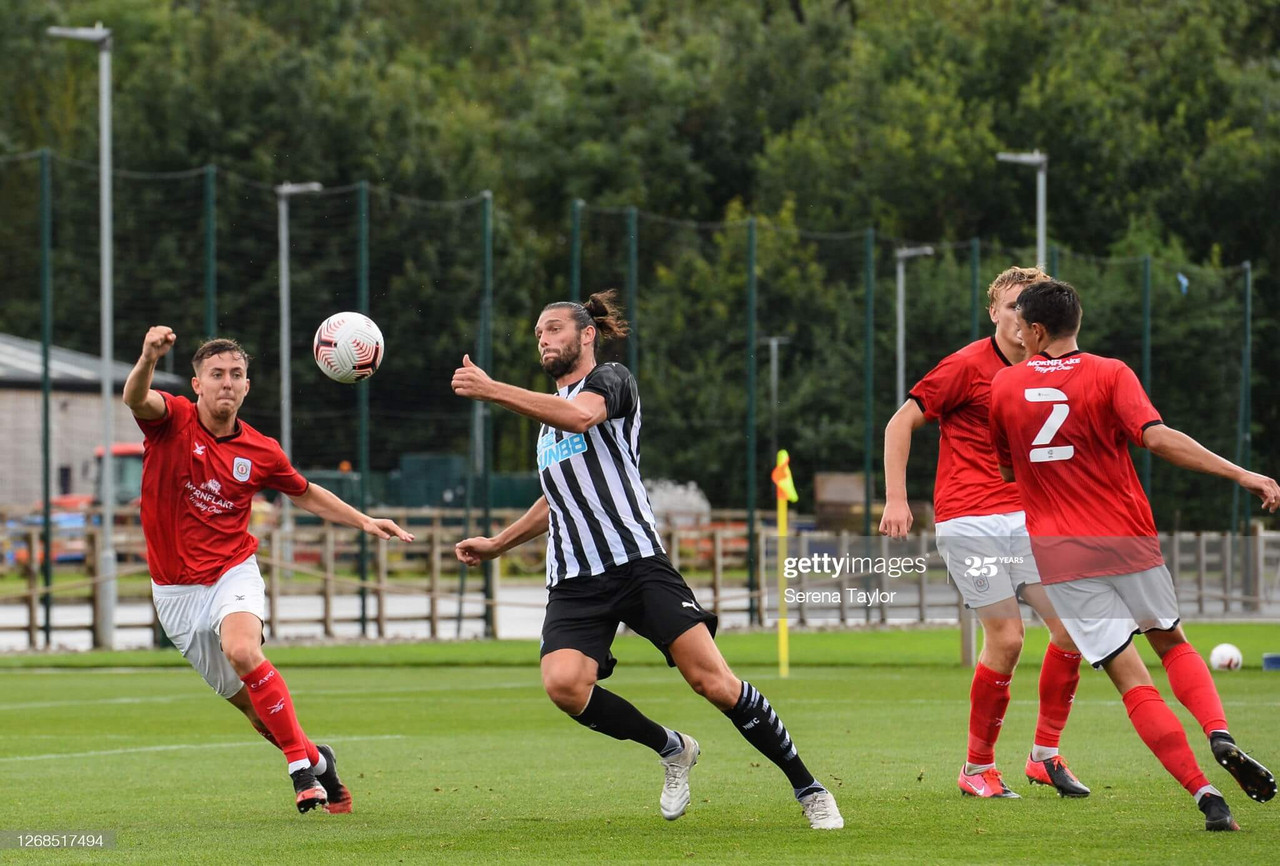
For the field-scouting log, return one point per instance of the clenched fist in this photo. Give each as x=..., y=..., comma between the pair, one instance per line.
x=157, y=343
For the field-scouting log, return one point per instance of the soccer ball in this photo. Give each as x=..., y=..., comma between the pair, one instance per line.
x=348, y=347
x=1226, y=657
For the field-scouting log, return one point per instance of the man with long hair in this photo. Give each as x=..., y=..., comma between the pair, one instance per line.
x=606, y=564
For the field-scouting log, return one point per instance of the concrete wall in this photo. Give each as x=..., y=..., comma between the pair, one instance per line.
x=76, y=430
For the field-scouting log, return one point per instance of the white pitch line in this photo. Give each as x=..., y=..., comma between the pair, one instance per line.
x=175, y=748
x=532, y=682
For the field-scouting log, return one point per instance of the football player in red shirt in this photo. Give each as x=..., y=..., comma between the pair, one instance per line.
x=201, y=468
x=981, y=532
x=1062, y=424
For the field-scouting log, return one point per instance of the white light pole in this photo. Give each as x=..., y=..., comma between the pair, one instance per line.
x=105, y=607
x=902, y=254
x=1041, y=163
x=774, y=343
x=283, y=192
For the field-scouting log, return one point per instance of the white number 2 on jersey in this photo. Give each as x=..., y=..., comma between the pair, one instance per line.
x=1051, y=425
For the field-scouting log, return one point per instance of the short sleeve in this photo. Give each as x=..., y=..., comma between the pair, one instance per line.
x=176, y=411
x=1133, y=408
x=616, y=385
x=943, y=389
x=999, y=435
x=285, y=478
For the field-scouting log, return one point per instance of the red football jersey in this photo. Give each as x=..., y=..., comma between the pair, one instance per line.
x=957, y=394
x=1064, y=425
x=197, y=489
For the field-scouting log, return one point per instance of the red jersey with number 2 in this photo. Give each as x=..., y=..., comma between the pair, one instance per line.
x=1064, y=425
x=957, y=394
x=197, y=492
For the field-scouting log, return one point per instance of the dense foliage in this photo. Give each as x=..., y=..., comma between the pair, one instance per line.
x=820, y=117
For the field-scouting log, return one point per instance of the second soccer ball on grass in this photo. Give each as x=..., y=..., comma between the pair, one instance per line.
x=1226, y=657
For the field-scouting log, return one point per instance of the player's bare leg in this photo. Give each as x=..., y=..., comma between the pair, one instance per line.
x=1059, y=677
x=569, y=678
x=704, y=668
x=241, y=636
x=1195, y=689
x=1002, y=636
x=1160, y=729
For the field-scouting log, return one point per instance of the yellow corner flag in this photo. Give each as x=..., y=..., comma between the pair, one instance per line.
x=782, y=478
x=786, y=488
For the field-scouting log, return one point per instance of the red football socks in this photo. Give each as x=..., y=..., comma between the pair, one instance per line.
x=988, y=700
x=270, y=698
x=1058, y=680
x=1160, y=729
x=1194, y=688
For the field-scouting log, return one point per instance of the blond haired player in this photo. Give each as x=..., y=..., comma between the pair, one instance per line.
x=982, y=535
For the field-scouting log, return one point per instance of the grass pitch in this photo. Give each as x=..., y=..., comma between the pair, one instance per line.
x=453, y=754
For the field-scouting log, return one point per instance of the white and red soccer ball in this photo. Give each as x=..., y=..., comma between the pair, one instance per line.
x=1226, y=657
x=348, y=347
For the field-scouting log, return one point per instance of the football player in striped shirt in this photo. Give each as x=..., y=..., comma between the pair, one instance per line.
x=606, y=564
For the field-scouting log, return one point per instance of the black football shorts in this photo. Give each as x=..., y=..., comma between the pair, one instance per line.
x=647, y=594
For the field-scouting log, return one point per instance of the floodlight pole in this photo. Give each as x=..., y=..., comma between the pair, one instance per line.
x=902, y=254
x=774, y=343
x=1041, y=163
x=283, y=192
x=105, y=598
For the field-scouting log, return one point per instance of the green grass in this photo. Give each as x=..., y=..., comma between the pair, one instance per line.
x=454, y=755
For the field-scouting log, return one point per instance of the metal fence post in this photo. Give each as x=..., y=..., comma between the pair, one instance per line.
x=869, y=376
x=210, y=251
x=633, y=280
x=975, y=286
x=46, y=340
x=1146, y=360
x=486, y=432
x=753, y=550
x=575, y=250
x=362, y=394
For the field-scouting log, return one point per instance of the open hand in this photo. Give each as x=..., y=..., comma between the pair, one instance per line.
x=382, y=527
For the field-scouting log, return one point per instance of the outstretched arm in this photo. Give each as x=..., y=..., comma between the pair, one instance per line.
x=324, y=504
x=897, y=519
x=138, y=396
x=574, y=416
x=531, y=524
x=1181, y=450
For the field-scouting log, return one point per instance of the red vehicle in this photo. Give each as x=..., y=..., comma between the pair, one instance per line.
x=69, y=510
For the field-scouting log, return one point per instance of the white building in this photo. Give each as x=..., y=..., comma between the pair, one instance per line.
x=75, y=410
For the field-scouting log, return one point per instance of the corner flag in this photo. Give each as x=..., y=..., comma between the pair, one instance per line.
x=786, y=490
x=781, y=476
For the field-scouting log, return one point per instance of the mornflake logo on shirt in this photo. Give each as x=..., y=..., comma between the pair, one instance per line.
x=551, y=452
x=206, y=497
x=1052, y=365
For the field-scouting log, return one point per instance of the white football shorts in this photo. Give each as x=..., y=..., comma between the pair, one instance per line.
x=192, y=618
x=1102, y=614
x=987, y=556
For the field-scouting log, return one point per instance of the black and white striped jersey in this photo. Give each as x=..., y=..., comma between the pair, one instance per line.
x=600, y=513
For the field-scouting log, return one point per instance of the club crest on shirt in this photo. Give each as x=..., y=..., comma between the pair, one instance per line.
x=241, y=468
